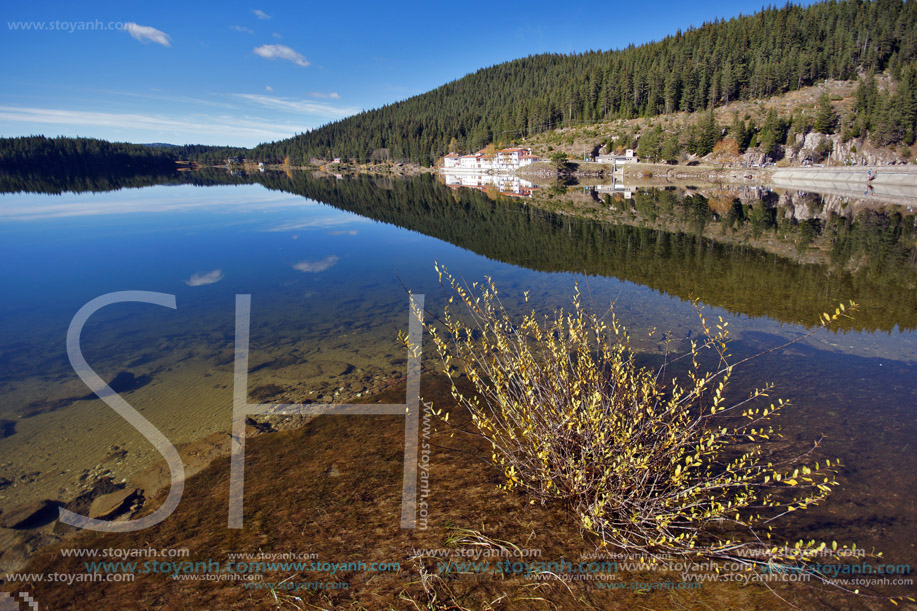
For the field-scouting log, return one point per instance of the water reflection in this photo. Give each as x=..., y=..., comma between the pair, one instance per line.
x=504, y=184
x=856, y=187
x=783, y=254
x=753, y=251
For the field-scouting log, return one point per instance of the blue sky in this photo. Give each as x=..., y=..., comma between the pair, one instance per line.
x=241, y=73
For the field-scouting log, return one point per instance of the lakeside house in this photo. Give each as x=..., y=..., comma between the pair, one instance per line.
x=628, y=157
x=507, y=159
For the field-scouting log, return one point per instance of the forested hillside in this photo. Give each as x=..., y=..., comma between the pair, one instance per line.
x=771, y=52
x=89, y=164
x=79, y=155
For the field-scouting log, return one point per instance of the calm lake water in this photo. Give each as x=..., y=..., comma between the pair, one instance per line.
x=327, y=262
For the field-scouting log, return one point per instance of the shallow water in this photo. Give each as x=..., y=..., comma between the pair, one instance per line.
x=328, y=290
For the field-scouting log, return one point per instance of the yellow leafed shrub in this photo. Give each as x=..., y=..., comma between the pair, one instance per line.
x=649, y=465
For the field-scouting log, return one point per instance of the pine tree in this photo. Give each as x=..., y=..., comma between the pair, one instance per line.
x=650, y=143
x=708, y=134
x=739, y=132
x=772, y=134
x=670, y=149
x=825, y=117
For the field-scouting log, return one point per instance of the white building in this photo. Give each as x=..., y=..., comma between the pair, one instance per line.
x=451, y=161
x=508, y=159
x=528, y=159
x=476, y=161
x=628, y=157
x=512, y=158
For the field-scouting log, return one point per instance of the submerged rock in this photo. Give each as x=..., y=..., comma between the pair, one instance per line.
x=125, y=381
x=7, y=428
x=266, y=392
x=253, y=427
x=114, y=503
x=335, y=368
x=30, y=515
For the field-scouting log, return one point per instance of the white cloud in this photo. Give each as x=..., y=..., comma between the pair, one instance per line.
x=333, y=95
x=190, y=127
x=330, y=221
x=241, y=28
x=261, y=14
x=268, y=88
x=202, y=278
x=281, y=52
x=294, y=105
x=186, y=100
x=316, y=266
x=276, y=35
x=145, y=33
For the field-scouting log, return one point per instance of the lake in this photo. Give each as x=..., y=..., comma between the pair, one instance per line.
x=328, y=263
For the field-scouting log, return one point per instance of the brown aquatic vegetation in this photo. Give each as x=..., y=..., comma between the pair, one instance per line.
x=294, y=504
x=650, y=466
